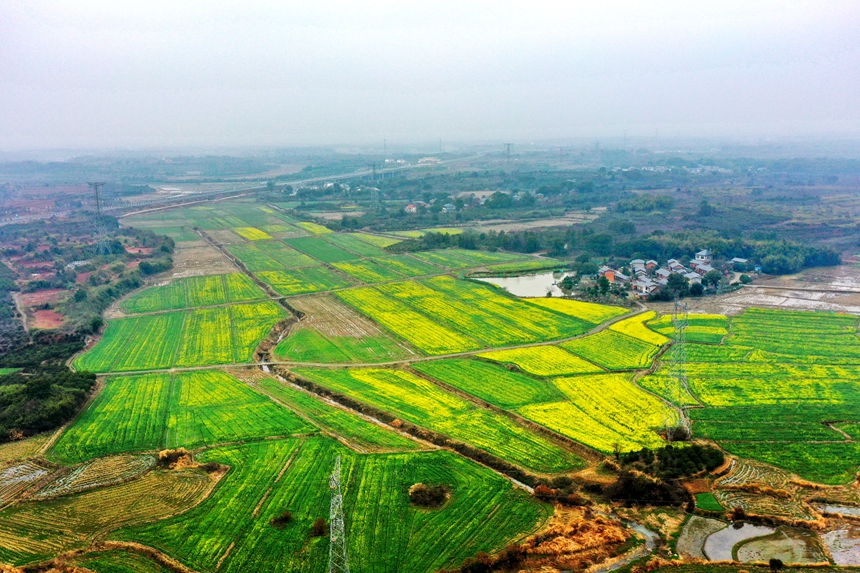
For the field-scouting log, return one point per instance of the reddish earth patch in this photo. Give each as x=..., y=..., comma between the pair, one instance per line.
x=139, y=250
x=133, y=264
x=42, y=296
x=82, y=278
x=34, y=264
x=47, y=319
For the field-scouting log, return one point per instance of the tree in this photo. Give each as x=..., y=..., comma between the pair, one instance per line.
x=712, y=278
x=696, y=289
x=775, y=564
x=746, y=279
x=603, y=285
x=678, y=285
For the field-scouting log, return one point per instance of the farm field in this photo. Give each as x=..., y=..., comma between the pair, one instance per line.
x=252, y=233
x=36, y=531
x=368, y=271
x=444, y=315
x=490, y=382
x=221, y=335
x=746, y=388
x=351, y=427
x=308, y=344
x=408, y=266
x=156, y=411
x=634, y=327
x=613, y=350
x=385, y=534
x=604, y=410
x=321, y=249
x=354, y=244
x=419, y=330
x=453, y=259
x=423, y=403
x=304, y=280
x=587, y=311
x=377, y=240
x=543, y=360
x=194, y=291
x=270, y=256
x=705, y=328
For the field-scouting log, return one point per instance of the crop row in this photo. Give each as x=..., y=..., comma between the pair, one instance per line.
x=385, y=534
x=496, y=385
x=603, y=411
x=613, y=350
x=221, y=335
x=351, y=427
x=320, y=249
x=304, y=280
x=152, y=411
x=423, y=403
x=635, y=328
x=270, y=256
x=587, y=311
x=354, y=244
x=252, y=233
x=543, y=360
x=308, y=344
x=421, y=331
x=41, y=530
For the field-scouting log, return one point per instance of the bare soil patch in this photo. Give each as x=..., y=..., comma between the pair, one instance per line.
x=333, y=318
x=47, y=319
x=43, y=296
x=195, y=259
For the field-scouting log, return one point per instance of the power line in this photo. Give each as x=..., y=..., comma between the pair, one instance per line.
x=101, y=240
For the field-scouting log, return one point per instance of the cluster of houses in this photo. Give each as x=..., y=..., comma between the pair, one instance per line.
x=649, y=277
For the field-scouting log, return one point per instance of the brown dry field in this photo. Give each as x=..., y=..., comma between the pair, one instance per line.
x=333, y=318
x=43, y=296
x=199, y=258
x=829, y=288
x=46, y=320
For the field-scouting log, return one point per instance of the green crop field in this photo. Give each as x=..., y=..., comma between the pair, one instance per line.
x=270, y=256
x=613, y=350
x=425, y=404
x=201, y=337
x=377, y=240
x=319, y=248
x=308, y=344
x=368, y=271
x=154, y=411
x=489, y=382
x=303, y=281
x=543, y=360
x=354, y=244
x=348, y=425
x=706, y=328
x=384, y=533
x=461, y=259
x=194, y=291
x=408, y=266
x=770, y=385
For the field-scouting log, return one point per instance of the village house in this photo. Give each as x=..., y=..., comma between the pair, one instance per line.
x=704, y=257
x=704, y=269
x=643, y=288
x=411, y=208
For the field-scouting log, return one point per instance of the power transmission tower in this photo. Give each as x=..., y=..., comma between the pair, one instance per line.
x=101, y=241
x=508, y=156
x=678, y=368
x=337, y=558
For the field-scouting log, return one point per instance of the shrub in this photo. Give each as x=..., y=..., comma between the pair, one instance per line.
x=281, y=521
x=428, y=495
x=319, y=528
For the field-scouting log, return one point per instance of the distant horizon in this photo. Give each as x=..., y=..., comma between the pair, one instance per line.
x=227, y=75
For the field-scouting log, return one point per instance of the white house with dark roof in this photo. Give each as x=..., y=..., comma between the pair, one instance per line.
x=704, y=257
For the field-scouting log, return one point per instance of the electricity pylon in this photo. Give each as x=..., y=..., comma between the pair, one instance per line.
x=101, y=241
x=337, y=558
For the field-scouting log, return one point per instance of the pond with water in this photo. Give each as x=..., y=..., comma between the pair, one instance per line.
x=529, y=285
x=719, y=545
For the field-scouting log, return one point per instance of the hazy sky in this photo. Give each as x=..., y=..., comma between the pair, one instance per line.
x=147, y=73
